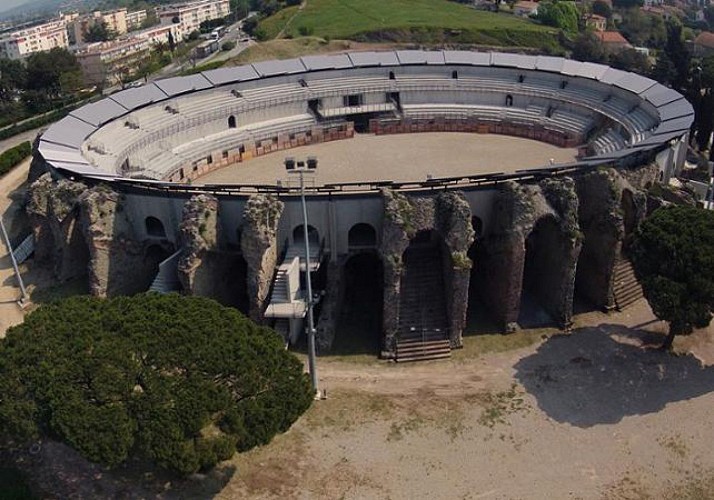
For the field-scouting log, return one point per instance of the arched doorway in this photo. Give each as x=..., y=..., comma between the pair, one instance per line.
x=422, y=303
x=478, y=316
x=154, y=227
x=153, y=256
x=231, y=121
x=313, y=236
x=543, y=260
x=361, y=236
x=359, y=329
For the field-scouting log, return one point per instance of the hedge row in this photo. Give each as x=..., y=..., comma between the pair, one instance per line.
x=34, y=123
x=13, y=156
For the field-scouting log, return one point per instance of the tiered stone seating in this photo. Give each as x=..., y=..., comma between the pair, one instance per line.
x=608, y=142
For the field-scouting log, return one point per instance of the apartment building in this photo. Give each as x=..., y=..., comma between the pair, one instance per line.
x=189, y=16
x=134, y=19
x=17, y=44
x=108, y=62
x=115, y=20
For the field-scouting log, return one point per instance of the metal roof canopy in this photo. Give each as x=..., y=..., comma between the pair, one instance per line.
x=634, y=83
x=61, y=153
x=339, y=61
x=513, y=60
x=140, y=96
x=374, y=58
x=276, y=68
x=69, y=131
x=676, y=125
x=183, y=84
x=659, y=95
x=675, y=109
x=420, y=57
x=234, y=74
x=467, y=58
x=100, y=112
x=549, y=63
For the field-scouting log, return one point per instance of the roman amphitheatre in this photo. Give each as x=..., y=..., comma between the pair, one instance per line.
x=452, y=188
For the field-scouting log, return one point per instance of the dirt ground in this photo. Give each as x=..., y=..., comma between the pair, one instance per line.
x=411, y=157
x=594, y=414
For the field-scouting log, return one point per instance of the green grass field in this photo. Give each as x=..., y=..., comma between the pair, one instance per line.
x=419, y=21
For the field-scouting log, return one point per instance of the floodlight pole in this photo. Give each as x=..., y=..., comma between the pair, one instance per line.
x=14, y=262
x=311, y=361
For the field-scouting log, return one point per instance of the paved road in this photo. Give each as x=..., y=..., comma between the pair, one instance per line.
x=17, y=139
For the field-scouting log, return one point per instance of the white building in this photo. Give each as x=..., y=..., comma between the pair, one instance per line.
x=109, y=62
x=189, y=16
x=134, y=19
x=20, y=43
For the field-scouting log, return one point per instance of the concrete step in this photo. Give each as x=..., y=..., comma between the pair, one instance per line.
x=425, y=357
x=418, y=344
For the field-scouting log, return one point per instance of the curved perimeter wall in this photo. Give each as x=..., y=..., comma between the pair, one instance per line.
x=106, y=210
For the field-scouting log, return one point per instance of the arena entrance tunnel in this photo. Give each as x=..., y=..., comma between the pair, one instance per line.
x=422, y=298
x=541, y=269
x=359, y=329
x=479, y=319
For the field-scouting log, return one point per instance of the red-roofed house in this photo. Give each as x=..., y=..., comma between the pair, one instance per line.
x=596, y=22
x=525, y=8
x=703, y=45
x=612, y=41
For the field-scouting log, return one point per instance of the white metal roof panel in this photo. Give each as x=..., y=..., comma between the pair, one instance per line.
x=339, y=61
x=100, y=112
x=69, y=131
x=549, y=63
x=275, y=68
x=466, y=57
x=374, y=58
x=140, y=96
x=634, y=83
x=676, y=125
x=675, y=109
x=513, y=60
x=183, y=84
x=222, y=76
x=420, y=57
x=61, y=153
x=660, y=95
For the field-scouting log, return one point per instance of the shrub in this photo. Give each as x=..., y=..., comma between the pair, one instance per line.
x=13, y=156
x=180, y=381
x=229, y=45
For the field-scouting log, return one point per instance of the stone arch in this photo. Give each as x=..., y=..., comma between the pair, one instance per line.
x=154, y=254
x=154, y=227
x=391, y=75
x=359, y=328
x=313, y=235
x=361, y=236
x=232, y=121
x=509, y=100
x=548, y=275
x=454, y=75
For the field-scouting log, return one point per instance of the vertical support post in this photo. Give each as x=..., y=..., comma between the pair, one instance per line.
x=310, y=318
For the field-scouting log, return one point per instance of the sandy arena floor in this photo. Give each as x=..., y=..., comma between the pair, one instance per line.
x=407, y=157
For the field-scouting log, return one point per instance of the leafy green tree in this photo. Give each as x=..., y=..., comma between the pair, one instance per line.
x=99, y=32
x=678, y=54
x=183, y=382
x=664, y=70
x=630, y=60
x=602, y=8
x=12, y=78
x=627, y=4
x=673, y=254
x=587, y=47
x=559, y=14
x=44, y=70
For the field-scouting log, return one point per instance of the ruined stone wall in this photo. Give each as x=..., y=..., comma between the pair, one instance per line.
x=118, y=256
x=53, y=210
x=207, y=267
x=501, y=273
x=260, y=249
x=331, y=305
x=449, y=214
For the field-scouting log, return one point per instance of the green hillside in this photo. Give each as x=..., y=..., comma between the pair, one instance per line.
x=420, y=21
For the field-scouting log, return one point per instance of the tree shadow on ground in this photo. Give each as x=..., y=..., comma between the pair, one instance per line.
x=599, y=375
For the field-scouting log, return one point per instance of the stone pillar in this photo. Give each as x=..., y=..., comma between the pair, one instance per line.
x=331, y=305
x=501, y=272
x=53, y=211
x=117, y=263
x=260, y=249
